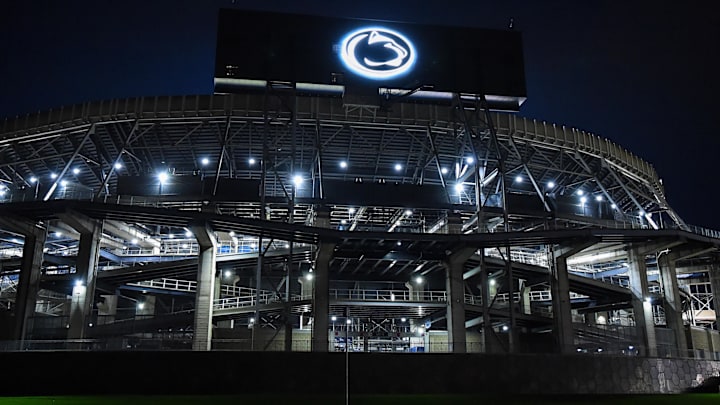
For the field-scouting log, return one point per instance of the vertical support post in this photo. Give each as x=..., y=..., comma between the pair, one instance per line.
x=86, y=271
x=455, y=287
x=562, y=310
x=321, y=298
x=642, y=307
x=672, y=302
x=489, y=339
x=29, y=281
x=204, y=296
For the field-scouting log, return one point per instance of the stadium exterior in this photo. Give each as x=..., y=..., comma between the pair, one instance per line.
x=279, y=221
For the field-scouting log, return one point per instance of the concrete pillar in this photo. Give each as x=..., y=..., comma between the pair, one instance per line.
x=455, y=287
x=86, y=272
x=560, y=291
x=715, y=288
x=672, y=302
x=107, y=309
x=29, y=280
x=642, y=308
x=204, y=296
x=526, y=305
x=562, y=310
x=321, y=297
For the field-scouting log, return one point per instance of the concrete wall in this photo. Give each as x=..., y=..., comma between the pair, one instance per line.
x=230, y=372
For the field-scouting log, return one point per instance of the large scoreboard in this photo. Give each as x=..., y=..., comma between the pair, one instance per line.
x=368, y=54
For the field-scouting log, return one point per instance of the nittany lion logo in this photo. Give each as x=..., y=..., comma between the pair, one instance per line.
x=377, y=53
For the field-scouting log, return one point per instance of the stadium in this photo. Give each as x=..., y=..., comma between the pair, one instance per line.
x=294, y=218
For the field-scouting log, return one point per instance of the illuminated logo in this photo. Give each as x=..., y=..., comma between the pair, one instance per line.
x=377, y=53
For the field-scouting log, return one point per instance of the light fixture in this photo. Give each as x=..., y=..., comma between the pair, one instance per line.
x=469, y=160
x=163, y=177
x=171, y=236
x=583, y=200
x=551, y=184
x=252, y=320
x=333, y=318
x=343, y=222
x=227, y=273
x=297, y=180
x=613, y=206
x=399, y=243
x=251, y=161
x=188, y=234
x=505, y=328
x=53, y=175
x=141, y=305
x=398, y=167
x=343, y=164
x=444, y=170
x=205, y=161
x=57, y=234
x=76, y=171
x=419, y=280
x=309, y=277
x=403, y=319
x=631, y=347
x=351, y=210
x=64, y=183
x=459, y=188
x=33, y=179
x=598, y=198
x=408, y=213
x=118, y=166
x=580, y=192
x=348, y=321
x=231, y=233
x=78, y=283
x=641, y=212
x=287, y=246
x=518, y=179
x=492, y=281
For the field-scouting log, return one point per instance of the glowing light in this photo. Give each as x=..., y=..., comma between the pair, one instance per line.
x=53, y=175
x=399, y=243
x=613, y=206
x=228, y=273
x=401, y=53
x=163, y=177
x=583, y=200
x=598, y=198
x=641, y=212
x=76, y=171
x=343, y=164
x=421, y=330
x=231, y=233
x=505, y=328
x=309, y=277
x=470, y=160
x=351, y=210
x=444, y=170
x=408, y=213
x=459, y=188
x=492, y=282
x=333, y=318
x=519, y=179
x=188, y=234
x=33, y=179
x=251, y=161
x=252, y=320
x=348, y=321
x=205, y=161
x=118, y=166
x=171, y=236
x=78, y=283
x=551, y=184
x=141, y=305
x=297, y=180
x=403, y=319
x=134, y=241
x=64, y=183
x=58, y=234
x=398, y=167
x=419, y=280
x=343, y=222
x=580, y=192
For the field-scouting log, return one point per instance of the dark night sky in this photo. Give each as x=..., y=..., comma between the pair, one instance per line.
x=644, y=76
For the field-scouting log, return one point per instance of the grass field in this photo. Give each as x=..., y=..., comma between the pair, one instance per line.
x=368, y=399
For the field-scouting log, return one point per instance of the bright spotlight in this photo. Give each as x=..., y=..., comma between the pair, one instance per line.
x=419, y=280
x=53, y=175
x=399, y=243
x=141, y=305
x=403, y=319
x=78, y=283
x=58, y=234
x=76, y=171
x=351, y=210
x=580, y=192
x=348, y=321
x=252, y=320
x=470, y=160
x=343, y=222
x=205, y=161
x=398, y=167
x=343, y=164
x=408, y=213
x=297, y=180
x=163, y=177
x=505, y=328
x=444, y=170
x=64, y=183
x=251, y=161
x=228, y=273
x=309, y=277
x=333, y=318
x=118, y=166
x=518, y=179
x=551, y=184
x=492, y=281
x=33, y=179
x=583, y=200
x=598, y=198
x=613, y=206
x=459, y=188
